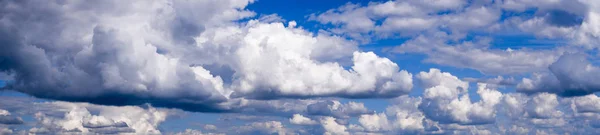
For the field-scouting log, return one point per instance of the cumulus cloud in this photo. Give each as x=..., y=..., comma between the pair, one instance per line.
x=375, y=122
x=215, y=56
x=337, y=109
x=445, y=100
x=331, y=127
x=589, y=103
x=298, y=119
x=109, y=120
x=7, y=118
x=570, y=75
x=171, y=55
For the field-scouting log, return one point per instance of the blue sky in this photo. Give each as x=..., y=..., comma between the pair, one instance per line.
x=300, y=67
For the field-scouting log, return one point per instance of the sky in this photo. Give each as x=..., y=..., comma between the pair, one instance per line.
x=300, y=67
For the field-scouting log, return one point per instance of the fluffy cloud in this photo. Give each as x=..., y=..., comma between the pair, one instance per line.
x=336, y=109
x=445, y=100
x=375, y=122
x=214, y=56
x=571, y=75
x=7, y=118
x=292, y=73
x=109, y=120
x=450, y=34
x=589, y=103
x=4, y=130
x=169, y=54
x=405, y=18
x=298, y=119
x=332, y=127
x=90, y=49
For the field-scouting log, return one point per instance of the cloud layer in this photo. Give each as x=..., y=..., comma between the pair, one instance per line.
x=495, y=67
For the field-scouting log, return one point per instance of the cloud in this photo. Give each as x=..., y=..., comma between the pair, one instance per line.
x=445, y=100
x=499, y=81
x=4, y=130
x=110, y=120
x=217, y=56
x=336, y=109
x=543, y=106
x=406, y=18
x=477, y=55
x=106, y=58
x=589, y=103
x=375, y=122
x=171, y=55
x=298, y=119
x=82, y=118
x=331, y=127
x=7, y=118
x=571, y=75
x=194, y=132
x=269, y=127
x=451, y=34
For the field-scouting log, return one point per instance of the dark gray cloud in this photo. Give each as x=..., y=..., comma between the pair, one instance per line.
x=570, y=75
x=10, y=120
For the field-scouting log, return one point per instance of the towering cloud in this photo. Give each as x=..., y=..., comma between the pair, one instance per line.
x=168, y=54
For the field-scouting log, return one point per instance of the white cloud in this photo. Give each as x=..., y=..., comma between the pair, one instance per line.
x=292, y=72
x=4, y=112
x=332, y=127
x=189, y=54
x=589, y=103
x=477, y=55
x=298, y=119
x=336, y=109
x=6, y=131
x=375, y=122
x=7, y=118
x=76, y=117
x=543, y=105
x=446, y=101
x=441, y=84
x=194, y=132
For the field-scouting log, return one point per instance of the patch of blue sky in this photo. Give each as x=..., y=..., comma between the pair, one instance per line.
x=190, y=120
x=524, y=41
x=11, y=93
x=299, y=10
x=525, y=14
